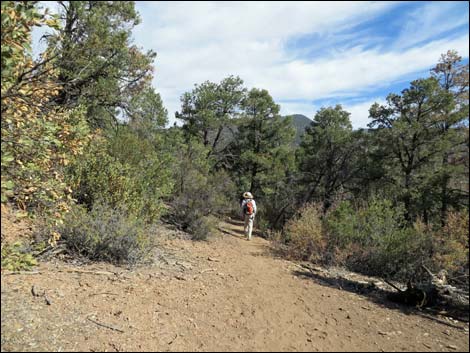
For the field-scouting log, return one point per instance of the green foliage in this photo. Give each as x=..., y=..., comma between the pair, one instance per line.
x=147, y=116
x=96, y=175
x=202, y=227
x=38, y=140
x=122, y=171
x=18, y=18
x=375, y=239
x=410, y=138
x=209, y=108
x=106, y=234
x=35, y=152
x=262, y=147
x=17, y=257
x=98, y=65
x=198, y=194
x=149, y=171
x=326, y=157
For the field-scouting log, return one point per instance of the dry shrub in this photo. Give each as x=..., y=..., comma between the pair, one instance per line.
x=106, y=234
x=304, y=234
x=450, y=245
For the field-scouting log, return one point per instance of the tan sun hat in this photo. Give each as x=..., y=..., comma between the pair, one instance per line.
x=247, y=195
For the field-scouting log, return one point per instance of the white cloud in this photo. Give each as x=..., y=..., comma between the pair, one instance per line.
x=431, y=20
x=305, y=108
x=360, y=112
x=198, y=41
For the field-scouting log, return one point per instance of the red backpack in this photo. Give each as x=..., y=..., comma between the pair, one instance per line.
x=249, y=208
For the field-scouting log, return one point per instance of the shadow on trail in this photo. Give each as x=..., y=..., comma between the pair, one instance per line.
x=235, y=222
x=379, y=296
x=233, y=232
x=370, y=292
x=240, y=230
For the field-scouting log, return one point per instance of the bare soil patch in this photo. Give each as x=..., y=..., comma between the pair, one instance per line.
x=225, y=294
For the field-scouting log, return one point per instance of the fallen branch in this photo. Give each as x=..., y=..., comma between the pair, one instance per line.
x=105, y=273
x=106, y=326
x=392, y=285
x=436, y=291
x=21, y=273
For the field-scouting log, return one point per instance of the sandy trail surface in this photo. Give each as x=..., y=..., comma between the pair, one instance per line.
x=225, y=294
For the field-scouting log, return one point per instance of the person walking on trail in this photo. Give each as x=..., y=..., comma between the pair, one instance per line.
x=249, y=212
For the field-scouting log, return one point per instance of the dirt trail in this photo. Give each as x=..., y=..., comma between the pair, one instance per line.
x=227, y=294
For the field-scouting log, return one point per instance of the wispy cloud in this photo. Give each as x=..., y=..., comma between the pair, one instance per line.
x=301, y=52
x=432, y=20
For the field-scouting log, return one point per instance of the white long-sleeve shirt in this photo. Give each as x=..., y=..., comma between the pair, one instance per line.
x=254, y=204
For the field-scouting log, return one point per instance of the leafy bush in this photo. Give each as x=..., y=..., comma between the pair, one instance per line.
x=375, y=239
x=149, y=170
x=96, y=175
x=106, y=234
x=199, y=194
x=131, y=176
x=17, y=257
x=38, y=138
x=303, y=235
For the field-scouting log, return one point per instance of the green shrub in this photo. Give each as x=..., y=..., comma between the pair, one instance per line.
x=106, y=234
x=149, y=171
x=17, y=257
x=199, y=194
x=96, y=175
x=375, y=240
x=131, y=176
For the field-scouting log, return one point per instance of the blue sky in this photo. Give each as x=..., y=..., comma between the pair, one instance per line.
x=306, y=54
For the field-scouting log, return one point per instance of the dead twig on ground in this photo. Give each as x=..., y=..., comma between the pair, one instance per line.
x=104, y=325
x=107, y=293
x=104, y=273
x=173, y=340
x=21, y=273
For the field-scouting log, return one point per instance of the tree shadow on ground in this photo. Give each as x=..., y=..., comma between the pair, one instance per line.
x=240, y=231
x=370, y=291
x=235, y=222
x=233, y=232
x=379, y=296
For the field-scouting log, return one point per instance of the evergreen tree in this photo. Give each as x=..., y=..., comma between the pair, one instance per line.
x=325, y=155
x=98, y=65
x=261, y=151
x=411, y=138
x=453, y=78
x=208, y=110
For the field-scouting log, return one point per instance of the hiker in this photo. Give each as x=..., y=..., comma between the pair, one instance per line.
x=249, y=211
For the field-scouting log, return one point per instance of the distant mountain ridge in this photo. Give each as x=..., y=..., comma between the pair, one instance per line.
x=300, y=122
